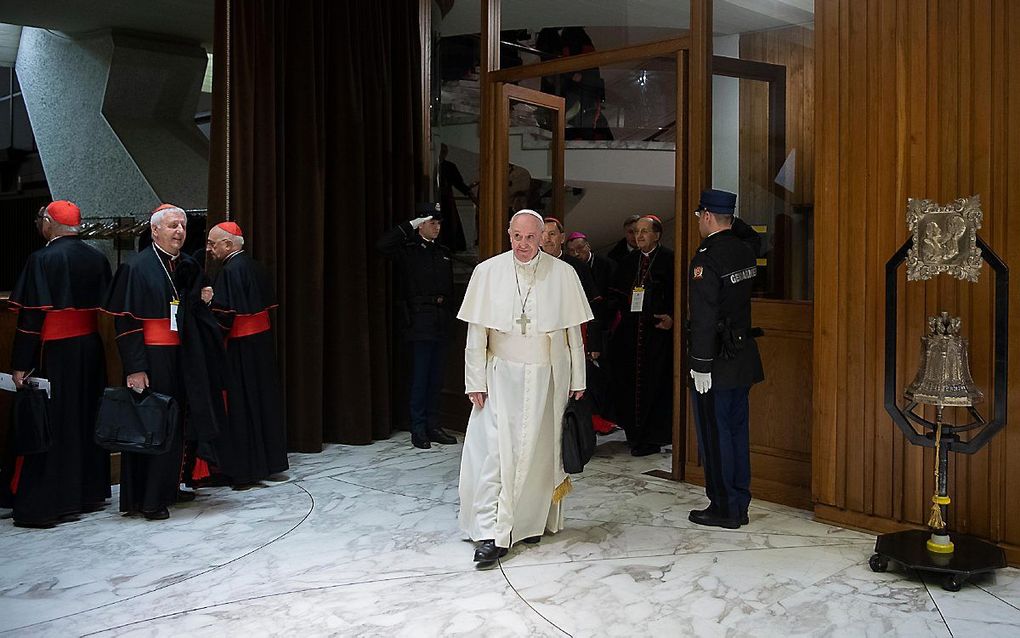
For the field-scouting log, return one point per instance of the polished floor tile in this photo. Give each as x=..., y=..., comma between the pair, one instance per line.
x=363, y=541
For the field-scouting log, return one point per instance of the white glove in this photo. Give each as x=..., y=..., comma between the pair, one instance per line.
x=702, y=381
x=415, y=223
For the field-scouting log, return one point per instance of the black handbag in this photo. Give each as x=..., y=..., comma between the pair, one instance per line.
x=578, y=435
x=31, y=421
x=144, y=423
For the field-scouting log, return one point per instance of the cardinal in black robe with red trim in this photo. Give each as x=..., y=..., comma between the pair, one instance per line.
x=167, y=344
x=253, y=445
x=57, y=298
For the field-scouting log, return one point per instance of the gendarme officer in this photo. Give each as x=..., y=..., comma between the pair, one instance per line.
x=424, y=278
x=724, y=358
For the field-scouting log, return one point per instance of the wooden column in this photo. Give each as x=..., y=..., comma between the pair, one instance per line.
x=489, y=195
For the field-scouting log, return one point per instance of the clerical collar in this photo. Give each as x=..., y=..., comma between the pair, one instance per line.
x=591, y=259
x=169, y=256
x=559, y=256
x=58, y=237
x=649, y=253
x=236, y=252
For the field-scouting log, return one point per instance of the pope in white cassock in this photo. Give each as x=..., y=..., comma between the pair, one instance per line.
x=523, y=360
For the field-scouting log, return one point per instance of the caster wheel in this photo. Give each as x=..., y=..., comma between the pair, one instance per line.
x=952, y=583
x=878, y=563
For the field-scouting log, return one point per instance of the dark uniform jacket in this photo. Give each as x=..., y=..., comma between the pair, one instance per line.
x=593, y=341
x=721, y=277
x=603, y=271
x=423, y=276
x=620, y=251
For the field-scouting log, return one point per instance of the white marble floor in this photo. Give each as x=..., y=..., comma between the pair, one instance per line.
x=363, y=541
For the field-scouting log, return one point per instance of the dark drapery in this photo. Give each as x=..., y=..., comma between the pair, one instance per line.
x=323, y=145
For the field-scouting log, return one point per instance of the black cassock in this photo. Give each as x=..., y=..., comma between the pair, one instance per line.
x=253, y=444
x=57, y=297
x=642, y=355
x=186, y=364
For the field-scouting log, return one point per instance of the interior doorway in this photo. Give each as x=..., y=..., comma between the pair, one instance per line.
x=610, y=143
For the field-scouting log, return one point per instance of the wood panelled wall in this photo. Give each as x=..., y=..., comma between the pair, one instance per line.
x=915, y=98
x=793, y=48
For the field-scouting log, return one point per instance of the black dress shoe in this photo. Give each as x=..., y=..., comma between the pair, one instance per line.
x=532, y=540
x=438, y=436
x=43, y=525
x=157, y=515
x=185, y=497
x=241, y=487
x=711, y=519
x=487, y=552
x=645, y=449
x=712, y=511
x=420, y=441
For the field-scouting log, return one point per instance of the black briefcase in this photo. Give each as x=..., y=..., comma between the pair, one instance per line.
x=143, y=423
x=31, y=421
x=578, y=435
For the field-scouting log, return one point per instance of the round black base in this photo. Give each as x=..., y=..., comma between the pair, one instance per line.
x=970, y=556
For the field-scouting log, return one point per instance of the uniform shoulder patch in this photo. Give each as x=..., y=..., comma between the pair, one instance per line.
x=742, y=275
x=699, y=272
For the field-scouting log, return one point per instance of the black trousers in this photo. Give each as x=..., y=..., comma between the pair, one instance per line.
x=149, y=482
x=427, y=361
x=721, y=420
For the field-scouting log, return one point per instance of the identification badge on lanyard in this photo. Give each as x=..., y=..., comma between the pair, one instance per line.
x=174, y=305
x=637, y=299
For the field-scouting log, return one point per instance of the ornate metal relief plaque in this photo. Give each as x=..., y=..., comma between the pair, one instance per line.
x=945, y=239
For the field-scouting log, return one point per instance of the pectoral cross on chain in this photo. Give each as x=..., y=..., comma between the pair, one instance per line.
x=523, y=321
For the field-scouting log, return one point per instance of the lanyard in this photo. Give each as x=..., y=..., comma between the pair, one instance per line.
x=177, y=296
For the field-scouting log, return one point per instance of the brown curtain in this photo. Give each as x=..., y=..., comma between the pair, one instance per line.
x=324, y=139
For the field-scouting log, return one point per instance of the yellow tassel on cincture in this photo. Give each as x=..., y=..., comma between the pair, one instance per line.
x=564, y=488
x=935, y=521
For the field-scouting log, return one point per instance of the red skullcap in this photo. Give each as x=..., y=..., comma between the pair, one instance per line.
x=163, y=207
x=576, y=235
x=64, y=212
x=654, y=218
x=230, y=227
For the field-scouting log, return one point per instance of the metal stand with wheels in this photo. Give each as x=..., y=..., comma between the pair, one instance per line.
x=943, y=380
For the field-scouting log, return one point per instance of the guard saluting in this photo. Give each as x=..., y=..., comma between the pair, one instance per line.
x=424, y=276
x=724, y=358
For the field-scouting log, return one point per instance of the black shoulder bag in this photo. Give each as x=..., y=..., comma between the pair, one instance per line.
x=144, y=423
x=578, y=435
x=31, y=421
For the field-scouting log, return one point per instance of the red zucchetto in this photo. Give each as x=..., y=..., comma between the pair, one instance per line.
x=64, y=212
x=230, y=227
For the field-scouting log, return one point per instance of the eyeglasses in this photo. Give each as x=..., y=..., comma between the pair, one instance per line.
x=210, y=243
x=698, y=211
